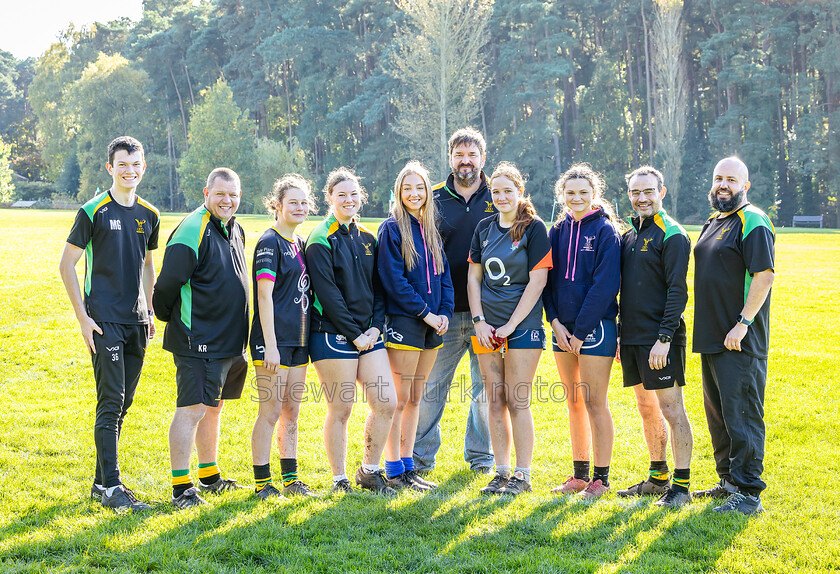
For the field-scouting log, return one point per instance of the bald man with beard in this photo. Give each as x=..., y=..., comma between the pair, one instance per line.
x=734, y=259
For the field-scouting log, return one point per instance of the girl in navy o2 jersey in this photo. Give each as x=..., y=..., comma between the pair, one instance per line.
x=509, y=260
x=580, y=305
x=280, y=333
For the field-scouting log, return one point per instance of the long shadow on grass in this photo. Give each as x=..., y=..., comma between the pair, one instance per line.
x=690, y=540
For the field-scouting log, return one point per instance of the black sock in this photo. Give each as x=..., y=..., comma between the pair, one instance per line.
x=288, y=468
x=681, y=478
x=601, y=473
x=262, y=475
x=659, y=472
x=180, y=489
x=581, y=469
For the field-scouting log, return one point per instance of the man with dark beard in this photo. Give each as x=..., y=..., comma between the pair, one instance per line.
x=732, y=280
x=462, y=201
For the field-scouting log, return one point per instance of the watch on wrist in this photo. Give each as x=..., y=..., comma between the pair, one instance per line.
x=665, y=338
x=744, y=321
x=478, y=319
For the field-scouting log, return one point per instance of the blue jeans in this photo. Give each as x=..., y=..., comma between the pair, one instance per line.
x=477, y=451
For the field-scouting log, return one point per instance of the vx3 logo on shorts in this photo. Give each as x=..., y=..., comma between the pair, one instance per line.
x=589, y=244
x=367, y=248
x=112, y=349
x=393, y=334
x=489, y=208
x=722, y=231
x=645, y=246
x=140, y=223
x=665, y=378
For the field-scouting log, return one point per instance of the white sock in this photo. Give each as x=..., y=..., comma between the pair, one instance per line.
x=524, y=473
x=338, y=478
x=370, y=468
x=98, y=486
x=503, y=469
x=111, y=490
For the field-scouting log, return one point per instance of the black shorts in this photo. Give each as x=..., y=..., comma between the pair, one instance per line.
x=289, y=356
x=636, y=369
x=410, y=333
x=208, y=381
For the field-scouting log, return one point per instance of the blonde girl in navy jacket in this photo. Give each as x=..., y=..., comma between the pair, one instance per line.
x=419, y=300
x=580, y=304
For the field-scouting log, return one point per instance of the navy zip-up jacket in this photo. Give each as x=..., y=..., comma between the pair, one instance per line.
x=458, y=220
x=584, y=281
x=416, y=293
x=202, y=289
x=654, y=293
x=341, y=262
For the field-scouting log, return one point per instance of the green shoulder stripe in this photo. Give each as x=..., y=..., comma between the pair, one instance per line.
x=322, y=231
x=190, y=231
x=669, y=225
x=97, y=201
x=753, y=218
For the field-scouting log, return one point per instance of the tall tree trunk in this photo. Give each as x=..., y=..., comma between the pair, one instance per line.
x=288, y=100
x=632, y=100
x=183, y=115
x=649, y=94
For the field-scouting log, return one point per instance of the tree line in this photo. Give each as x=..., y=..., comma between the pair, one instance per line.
x=269, y=86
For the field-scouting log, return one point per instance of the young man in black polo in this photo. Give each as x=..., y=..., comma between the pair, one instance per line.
x=202, y=293
x=117, y=231
x=654, y=263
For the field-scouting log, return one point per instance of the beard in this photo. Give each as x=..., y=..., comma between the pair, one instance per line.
x=468, y=179
x=735, y=199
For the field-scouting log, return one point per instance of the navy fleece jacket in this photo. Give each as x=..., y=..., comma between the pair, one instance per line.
x=416, y=293
x=583, y=283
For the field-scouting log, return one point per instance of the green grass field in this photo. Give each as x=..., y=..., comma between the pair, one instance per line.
x=48, y=524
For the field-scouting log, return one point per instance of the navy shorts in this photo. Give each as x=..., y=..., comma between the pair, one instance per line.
x=207, y=381
x=410, y=333
x=289, y=356
x=332, y=346
x=526, y=339
x=602, y=342
x=635, y=368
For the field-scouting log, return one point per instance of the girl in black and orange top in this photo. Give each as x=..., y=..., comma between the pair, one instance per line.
x=509, y=260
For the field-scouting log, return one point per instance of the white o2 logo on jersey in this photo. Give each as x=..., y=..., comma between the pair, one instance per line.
x=502, y=271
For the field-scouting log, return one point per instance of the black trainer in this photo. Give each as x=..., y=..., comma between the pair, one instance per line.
x=123, y=500
x=721, y=491
x=220, y=486
x=270, y=491
x=415, y=477
x=188, y=499
x=96, y=492
x=298, y=488
x=515, y=485
x=402, y=481
x=374, y=481
x=645, y=488
x=342, y=485
x=674, y=498
x=741, y=502
x=496, y=484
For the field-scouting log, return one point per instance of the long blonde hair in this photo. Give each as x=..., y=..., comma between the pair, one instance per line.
x=585, y=171
x=427, y=219
x=525, y=210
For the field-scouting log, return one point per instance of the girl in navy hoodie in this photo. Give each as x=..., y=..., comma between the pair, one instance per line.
x=580, y=304
x=419, y=300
